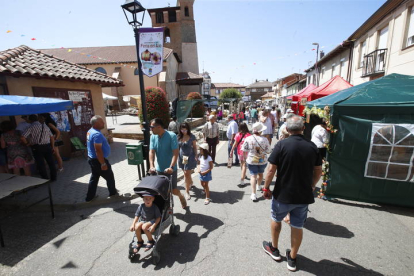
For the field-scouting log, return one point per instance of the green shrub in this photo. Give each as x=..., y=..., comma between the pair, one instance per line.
x=198, y=108
x=157, y=105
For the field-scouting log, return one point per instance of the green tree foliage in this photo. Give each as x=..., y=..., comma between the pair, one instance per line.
x=157, y=105
x=198, y=108
x=230, y=93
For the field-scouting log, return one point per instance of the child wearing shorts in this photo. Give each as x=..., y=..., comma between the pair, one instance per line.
x=204, y=168
x=147, y=217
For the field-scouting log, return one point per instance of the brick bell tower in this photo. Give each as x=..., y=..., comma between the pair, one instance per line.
x=179, y=32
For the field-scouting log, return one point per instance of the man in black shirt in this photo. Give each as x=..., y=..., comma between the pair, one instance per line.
x=299, y=168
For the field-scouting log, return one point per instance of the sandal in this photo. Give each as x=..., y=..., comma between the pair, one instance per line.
x=149, y=245
x=138, y=246
x=207, y=201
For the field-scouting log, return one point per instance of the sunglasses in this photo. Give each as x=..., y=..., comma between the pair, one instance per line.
x=151, y=127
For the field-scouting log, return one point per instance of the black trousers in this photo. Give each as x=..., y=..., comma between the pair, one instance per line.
x=212, y=144
x=40, y=154
x=97, y=172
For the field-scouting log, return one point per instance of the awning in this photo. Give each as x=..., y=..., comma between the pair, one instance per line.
x=107, y=97
x=11, y=105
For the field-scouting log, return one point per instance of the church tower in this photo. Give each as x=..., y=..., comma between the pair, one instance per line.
x=179, y=32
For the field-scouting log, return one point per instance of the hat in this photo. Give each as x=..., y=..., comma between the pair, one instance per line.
x=284, y=116
x=147, y=194
x=230, y=117
x=210, y=117
x=290, y=111
x=203, y=146
x=268, y=108
x=258, y=127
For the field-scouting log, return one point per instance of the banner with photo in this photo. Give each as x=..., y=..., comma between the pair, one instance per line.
x=151, y=50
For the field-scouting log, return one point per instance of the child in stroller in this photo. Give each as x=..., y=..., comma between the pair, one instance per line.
x=147, y=217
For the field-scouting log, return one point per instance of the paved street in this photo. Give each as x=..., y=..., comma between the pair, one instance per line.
x=344, y=238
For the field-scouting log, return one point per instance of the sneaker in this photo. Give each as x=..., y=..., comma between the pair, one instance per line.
x=291, y=263
x=273, y=252
x=117, y=195
x=60, y=170
x=258, y=188
x=187, y=196
x=241, y=184
x=253, y=197
x=88, y=201
x=207, y=201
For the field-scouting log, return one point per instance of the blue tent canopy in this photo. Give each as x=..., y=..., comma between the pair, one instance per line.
x=11, y=105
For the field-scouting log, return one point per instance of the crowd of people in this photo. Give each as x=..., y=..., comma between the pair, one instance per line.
x=33, y=141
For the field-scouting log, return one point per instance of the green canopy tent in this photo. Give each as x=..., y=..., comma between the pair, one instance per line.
x=373, y=150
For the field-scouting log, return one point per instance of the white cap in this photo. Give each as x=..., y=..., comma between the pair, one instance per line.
x=284, y=116
x=290, y=111
x=258, y=127
x=210, y=117
x=203, y=146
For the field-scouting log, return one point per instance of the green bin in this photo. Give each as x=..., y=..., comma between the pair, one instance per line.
x=134, y=154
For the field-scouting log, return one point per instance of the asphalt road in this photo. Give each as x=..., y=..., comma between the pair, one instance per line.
x=223, y=238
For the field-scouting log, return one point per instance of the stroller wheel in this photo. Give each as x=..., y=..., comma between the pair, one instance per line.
x=155, y=257
x=172, y=229
x=176, y=230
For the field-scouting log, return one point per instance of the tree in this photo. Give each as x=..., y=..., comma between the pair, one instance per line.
x=198, y=109
x=157, y=105
x=230, y=93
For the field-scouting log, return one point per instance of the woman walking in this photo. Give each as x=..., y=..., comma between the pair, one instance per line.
x=268, y=123
x=205, y=166
x=257, y=147
x=238, y=143
x=18, y=154
x=187, y=157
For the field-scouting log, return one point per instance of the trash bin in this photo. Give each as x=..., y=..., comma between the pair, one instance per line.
x=134, y=154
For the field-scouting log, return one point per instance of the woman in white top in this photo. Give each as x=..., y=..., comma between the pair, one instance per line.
x=267, y=122
x=258, y=148
x=205, y=166
x=320, y=137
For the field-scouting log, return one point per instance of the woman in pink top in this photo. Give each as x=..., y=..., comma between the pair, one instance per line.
x=239, y=140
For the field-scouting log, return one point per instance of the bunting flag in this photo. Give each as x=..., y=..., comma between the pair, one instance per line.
x=8, y=31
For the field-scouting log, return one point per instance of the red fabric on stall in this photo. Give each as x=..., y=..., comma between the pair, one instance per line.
x=305, y=90
x=331, y=86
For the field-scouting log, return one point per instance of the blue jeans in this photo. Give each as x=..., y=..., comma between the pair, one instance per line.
x=230, y=145
x=97, y=172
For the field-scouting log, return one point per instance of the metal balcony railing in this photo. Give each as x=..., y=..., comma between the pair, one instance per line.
x=374, y=63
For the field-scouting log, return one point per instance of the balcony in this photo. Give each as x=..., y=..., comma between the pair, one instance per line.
x=374, y=63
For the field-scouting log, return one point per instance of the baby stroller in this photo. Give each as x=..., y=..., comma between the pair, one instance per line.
x=161, y=187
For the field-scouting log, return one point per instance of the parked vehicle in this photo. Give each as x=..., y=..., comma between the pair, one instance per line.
x=211, y=102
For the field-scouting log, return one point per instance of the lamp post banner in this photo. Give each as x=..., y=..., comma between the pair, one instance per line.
x=151, y=50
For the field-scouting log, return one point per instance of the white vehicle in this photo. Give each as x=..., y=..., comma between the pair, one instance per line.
x=211, y=102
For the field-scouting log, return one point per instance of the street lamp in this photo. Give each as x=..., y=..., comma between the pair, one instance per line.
x=316, y=64
x=132, y=10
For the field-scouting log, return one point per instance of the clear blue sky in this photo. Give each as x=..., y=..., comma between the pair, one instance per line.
x=239, y=41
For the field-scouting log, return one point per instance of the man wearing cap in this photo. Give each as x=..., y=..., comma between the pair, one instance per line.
x=232, y=129
x=211, y=136
x=297, y=176
x=283, y=133
x=23, y=125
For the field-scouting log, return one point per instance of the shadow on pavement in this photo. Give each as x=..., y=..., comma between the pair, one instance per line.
x=184, y=248
x=26, y=231
x=227, y=197
x=398, y=210
x=328, y=229
x=327, y=267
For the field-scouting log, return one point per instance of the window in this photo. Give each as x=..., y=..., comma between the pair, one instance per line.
x=100, y=70
x=217, y=91
x=362, y=49
x=159, y=17
x=391, y=152
x=382, y=38
x=167, y=36
x=410, y=28
x=254, y=90
x=172, y=16
x=334, y=73
x=309, y=80
x=136, y=72
x=186, y=12
x=342, y=70
x=322, y=72
x=314, y=79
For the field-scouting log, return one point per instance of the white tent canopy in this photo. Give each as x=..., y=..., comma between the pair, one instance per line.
x=107, y=97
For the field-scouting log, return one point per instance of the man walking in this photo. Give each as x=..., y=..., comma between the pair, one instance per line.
x=298, y=167
x=98, y=152
x=164, y=145
x=42, y=143
x=253, y=114
x=211, y=136
x=232, y=129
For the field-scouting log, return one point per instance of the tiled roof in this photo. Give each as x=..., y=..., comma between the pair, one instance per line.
x=188, y=78
x=268, y=95
x=27, y=62
x=228, y=85
x=100, y=55
x=260, y=84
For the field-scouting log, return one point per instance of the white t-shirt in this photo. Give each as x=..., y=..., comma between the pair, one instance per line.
x=232, y=128
x=256, y=146
x=320, y=136
x=204, y=163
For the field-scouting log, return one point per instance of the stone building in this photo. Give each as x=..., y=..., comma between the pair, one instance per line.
x=257, y=89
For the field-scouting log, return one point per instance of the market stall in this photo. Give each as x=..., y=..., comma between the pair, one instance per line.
x=372, y=147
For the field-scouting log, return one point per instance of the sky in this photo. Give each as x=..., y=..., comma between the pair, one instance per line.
x=238, y=41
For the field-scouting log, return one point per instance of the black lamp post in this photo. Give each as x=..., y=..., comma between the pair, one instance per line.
x=132, y=10
x=316, y=64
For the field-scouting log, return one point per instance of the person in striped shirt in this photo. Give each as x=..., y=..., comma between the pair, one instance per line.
x=41, y=139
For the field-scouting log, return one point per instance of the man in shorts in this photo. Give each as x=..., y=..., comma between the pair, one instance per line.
x=294, y=187
x=164, y=145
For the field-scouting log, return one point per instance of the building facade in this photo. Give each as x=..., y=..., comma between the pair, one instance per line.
x=218, y=88
x=257, y=89
x=206, y=86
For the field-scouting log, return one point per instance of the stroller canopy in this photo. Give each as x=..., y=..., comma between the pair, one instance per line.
x=154, y=184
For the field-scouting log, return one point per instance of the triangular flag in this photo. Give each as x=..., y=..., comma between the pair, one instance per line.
x=22, y=35
x=70, y=50
x=33, y=38
x=8, y=31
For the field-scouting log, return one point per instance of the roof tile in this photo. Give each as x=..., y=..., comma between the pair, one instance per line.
x=29, y=62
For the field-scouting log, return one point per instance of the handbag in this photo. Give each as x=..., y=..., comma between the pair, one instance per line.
x=258, y=158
